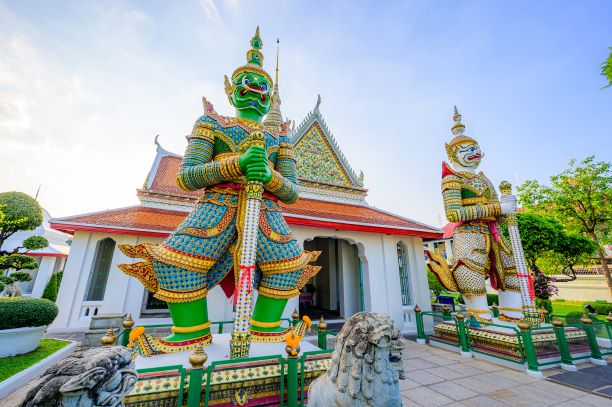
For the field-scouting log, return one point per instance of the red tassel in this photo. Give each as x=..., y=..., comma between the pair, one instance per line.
x=246, y=277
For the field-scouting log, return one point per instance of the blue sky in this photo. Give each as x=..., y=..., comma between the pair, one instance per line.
x=85, y=87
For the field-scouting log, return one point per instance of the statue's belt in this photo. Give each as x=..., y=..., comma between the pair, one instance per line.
x=238, y=187
x=481, y=226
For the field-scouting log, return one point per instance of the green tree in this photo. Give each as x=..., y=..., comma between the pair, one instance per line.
x=18, y=212
x=539, y=234
x=580, y=198
x=606, y=69
x=434, y=284
x=574, y=249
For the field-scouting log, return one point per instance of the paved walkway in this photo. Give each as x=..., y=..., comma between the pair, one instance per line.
x=437, y=377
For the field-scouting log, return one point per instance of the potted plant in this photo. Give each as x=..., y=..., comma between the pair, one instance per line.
x=23, y=322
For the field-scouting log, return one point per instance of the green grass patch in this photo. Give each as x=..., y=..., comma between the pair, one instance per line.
x=565, y=307
x=12, y=365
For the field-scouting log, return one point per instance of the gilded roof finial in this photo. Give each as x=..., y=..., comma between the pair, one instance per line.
x=275, y=118
x=458, y=127
x=277, y=50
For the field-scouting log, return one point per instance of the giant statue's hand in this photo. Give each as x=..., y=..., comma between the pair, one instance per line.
x=254, y=164
x=508, y=204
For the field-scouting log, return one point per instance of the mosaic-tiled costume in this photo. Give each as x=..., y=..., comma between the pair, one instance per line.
x=480, y=250
x=204, y=250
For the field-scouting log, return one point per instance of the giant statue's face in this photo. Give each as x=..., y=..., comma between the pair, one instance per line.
x=251, y=92
x=468, y=155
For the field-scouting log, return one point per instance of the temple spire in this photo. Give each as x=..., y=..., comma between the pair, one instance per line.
x=275, y=118
x=458, y=127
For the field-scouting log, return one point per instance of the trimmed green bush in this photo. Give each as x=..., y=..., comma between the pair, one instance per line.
x=53, y=286
x=546, y=304
x=601, y=308
x=573, y=317
x=18, y=312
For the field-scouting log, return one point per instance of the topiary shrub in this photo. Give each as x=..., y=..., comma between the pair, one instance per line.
x=602, y=308
x=546, y=304
x=52, y=287
x=17, y=312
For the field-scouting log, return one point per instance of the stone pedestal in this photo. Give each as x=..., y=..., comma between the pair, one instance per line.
x=99, y=325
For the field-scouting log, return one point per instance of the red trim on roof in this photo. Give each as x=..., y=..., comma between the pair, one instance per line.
x=358, y=228
x=157, y=222
x=92, y=228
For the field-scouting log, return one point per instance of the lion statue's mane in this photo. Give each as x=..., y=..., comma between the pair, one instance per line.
x=365, y=367
x=96, y=377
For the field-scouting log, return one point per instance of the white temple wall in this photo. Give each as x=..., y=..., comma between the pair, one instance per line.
x=350, y=296
x=380, y=269
x=68, y=294
x=45, y=270
x=377, y=252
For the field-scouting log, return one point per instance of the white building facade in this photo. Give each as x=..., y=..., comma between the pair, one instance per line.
x=371, y=260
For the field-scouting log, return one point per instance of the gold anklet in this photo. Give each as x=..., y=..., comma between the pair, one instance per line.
x=478, y=311
x=265, y=324
x=510, y=309
x=190, y=329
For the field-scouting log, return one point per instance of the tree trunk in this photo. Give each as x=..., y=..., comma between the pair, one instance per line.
x=602, y=258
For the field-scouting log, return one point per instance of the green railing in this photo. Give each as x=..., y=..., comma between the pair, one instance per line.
x=592, y=328
x=291, y=368
x=182, y=373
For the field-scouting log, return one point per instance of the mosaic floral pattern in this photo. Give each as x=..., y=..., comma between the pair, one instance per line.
x=316, y=160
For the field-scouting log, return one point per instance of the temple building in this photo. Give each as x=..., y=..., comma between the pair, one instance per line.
x=371, y=260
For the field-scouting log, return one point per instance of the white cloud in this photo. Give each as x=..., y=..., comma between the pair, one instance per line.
x=210, y=10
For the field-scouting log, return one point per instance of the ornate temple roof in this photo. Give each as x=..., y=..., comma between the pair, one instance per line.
x=323, y=170
x=150, y=221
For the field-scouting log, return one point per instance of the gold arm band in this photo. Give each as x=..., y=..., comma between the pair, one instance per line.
x=510, y=309
x=478, y=311
x=265, y=324
x=190, y=329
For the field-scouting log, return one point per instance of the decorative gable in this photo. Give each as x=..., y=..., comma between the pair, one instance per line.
x=323, y=171
x=316, y=160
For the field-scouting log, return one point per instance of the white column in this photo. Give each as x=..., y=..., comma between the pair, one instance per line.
x=375, y=275
x=349, y=278
x=418, y=277
x=332, y=266
x=45, y=270
x=68, y=296
x=392, y=277
x=117, y=282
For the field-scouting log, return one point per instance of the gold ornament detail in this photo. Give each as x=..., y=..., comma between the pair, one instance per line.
x=109, y=338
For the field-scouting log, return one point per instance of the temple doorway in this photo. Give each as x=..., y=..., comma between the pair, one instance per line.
x=336, y=292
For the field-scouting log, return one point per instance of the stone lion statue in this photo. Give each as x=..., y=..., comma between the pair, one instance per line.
x=93, y=378
x=365, y=366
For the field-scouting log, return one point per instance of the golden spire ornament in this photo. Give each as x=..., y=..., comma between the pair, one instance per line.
x=275, y=118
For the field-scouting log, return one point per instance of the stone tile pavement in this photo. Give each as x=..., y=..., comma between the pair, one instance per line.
x=437, y=377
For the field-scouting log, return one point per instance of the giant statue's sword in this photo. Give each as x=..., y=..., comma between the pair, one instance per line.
x=243, y=296
x=522, y=272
